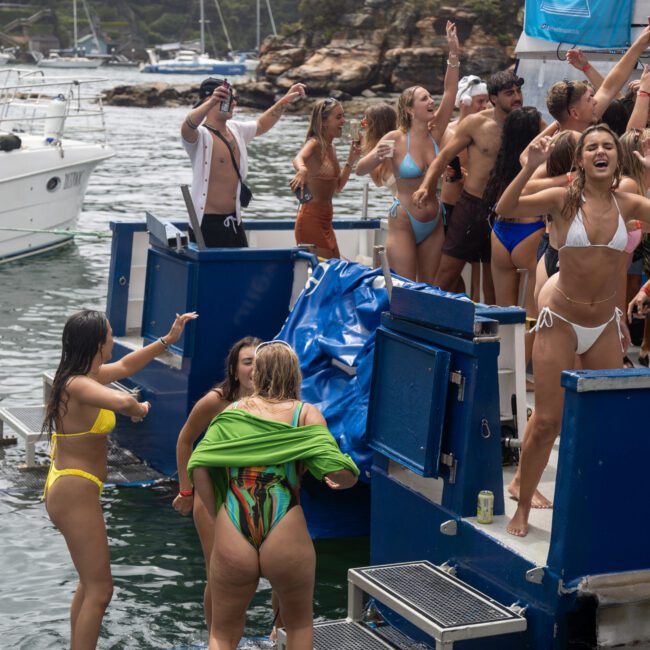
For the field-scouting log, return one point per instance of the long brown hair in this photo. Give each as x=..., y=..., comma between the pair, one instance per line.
x=316, y=129
x=277, y=373
x=380, y=120
x=562, y=158
x=83, y=335
x=230, y=386
x=577, y=186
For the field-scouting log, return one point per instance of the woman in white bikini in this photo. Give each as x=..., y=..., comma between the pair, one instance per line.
x=578, y=311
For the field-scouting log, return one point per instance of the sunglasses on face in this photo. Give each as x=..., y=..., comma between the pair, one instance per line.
x=267, y=343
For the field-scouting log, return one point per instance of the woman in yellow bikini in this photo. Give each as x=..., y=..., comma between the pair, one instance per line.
x=78, y=416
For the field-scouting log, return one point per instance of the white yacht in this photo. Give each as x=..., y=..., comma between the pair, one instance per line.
x=44, y=172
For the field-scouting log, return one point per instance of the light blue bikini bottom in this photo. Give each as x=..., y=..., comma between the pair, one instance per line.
x=421, y=229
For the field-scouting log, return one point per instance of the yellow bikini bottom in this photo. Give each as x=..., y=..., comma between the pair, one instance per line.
x=55, y=474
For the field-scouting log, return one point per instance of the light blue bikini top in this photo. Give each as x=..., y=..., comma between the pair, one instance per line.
x=408, y=168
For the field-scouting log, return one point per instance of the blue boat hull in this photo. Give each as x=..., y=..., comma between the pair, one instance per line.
x=224, y=69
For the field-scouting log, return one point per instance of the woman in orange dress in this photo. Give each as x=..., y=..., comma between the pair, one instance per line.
x=319, y=176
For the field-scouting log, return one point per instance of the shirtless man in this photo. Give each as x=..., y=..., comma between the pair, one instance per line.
x=211, y=139
x=468, y=237
x=471, y=98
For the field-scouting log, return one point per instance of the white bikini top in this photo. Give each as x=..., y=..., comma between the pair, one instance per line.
x=577, y=236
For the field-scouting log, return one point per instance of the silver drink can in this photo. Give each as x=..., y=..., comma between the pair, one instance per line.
x=485, y=507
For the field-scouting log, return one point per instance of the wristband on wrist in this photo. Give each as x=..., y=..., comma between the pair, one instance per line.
x=569, y=178
x=586, y=67
x=642, y=93
x=453, y=65
x=637, y=223
x=646, y=289
x=165, y=344
x=186, y=493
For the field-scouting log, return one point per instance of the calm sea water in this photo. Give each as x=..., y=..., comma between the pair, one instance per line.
x=157, y=564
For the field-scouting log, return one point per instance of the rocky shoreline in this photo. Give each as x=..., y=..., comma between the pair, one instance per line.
x=377, y=51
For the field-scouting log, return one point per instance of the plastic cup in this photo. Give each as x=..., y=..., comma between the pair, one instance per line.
x=391, y=144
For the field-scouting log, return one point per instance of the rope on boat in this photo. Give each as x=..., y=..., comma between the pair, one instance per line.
x=62, y=231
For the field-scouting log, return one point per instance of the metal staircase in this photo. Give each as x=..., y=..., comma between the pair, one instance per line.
x=445, y=608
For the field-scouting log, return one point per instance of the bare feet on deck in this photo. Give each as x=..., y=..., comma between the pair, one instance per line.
x=539, y=500
x=518, y=525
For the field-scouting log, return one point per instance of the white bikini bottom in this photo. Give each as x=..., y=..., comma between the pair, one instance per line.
x=586, y=336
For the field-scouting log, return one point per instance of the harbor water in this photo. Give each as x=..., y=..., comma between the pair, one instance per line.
x=156, y=559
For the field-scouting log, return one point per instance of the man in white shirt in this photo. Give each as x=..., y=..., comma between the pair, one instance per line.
x=216, y=146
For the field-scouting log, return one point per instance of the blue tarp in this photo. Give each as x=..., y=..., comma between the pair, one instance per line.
x=597, y=23
x=335, y=318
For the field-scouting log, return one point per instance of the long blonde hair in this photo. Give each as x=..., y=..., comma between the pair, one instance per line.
x=631, y=165
x=322, y=108
x=276, y=375
x=405, y=101
x=577, y=187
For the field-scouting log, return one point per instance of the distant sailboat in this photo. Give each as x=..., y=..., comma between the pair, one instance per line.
x=56, y=60
x=190, y=62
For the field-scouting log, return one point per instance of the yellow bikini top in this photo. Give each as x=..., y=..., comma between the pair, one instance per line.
x=104, y=423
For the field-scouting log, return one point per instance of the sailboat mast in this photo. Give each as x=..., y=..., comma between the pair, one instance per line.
x=202, y=21
x=258, y=25
x=74, y=20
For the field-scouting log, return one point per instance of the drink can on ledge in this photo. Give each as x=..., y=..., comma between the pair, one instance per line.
x=485, y=507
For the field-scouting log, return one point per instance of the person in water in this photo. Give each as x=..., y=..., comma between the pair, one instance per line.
x=216, y=145
x=250, y=461
x=578, y=306
x=79, y=415
x=319, y=176
x=238, y=384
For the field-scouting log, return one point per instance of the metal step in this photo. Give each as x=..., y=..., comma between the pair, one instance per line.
x=439, y=604
x=353, y=635
x=124, y=467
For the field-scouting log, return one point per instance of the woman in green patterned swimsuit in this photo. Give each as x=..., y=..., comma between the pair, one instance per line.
x=252, y=457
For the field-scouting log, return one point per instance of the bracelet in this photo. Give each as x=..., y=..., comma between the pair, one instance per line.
x=165, y=344
x=569, y=178
x=586, y=67
x=642, y=93
x=191, y=124
x=186, y=493
x=453, y=65
x=637, y=223
x=646, y=289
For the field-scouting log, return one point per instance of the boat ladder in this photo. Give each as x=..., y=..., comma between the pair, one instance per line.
x=427, y=596
x=26, y=421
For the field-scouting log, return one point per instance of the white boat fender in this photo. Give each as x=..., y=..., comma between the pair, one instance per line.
x=55, y=119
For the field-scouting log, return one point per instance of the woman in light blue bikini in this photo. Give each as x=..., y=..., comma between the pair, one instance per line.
x=415, y=235
x=578, y=312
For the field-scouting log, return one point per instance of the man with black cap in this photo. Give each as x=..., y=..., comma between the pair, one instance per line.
x=468, y=236
x=216, y=146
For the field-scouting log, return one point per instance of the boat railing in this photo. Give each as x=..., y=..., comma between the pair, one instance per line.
x=33, y=103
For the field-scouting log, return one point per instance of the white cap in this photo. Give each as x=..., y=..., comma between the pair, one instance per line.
x=469, y=87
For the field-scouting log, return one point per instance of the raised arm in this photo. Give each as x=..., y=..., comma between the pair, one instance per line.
x=549, y=201
x=619, y=74
x=446, y=108
x=461, y=140
x=548, y=131
x=135, y=361
x=579, y=61
x=198, y=420
x=194, y=118
x=344, y=173
x=639, y=117
x=269, y=118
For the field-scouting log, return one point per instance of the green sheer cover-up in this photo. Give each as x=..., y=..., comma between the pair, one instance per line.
x=236, y=438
